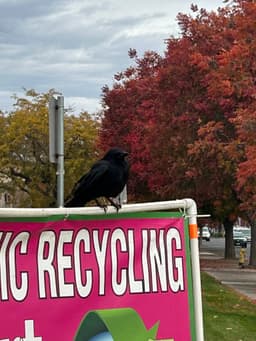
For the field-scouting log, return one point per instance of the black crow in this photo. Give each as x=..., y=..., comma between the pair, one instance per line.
x=107, y=178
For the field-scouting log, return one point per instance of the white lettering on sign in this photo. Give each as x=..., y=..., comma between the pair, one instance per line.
x=82, y=239
x=154, y=266
x=73, y=263
x=29, y=333
x=13, y=280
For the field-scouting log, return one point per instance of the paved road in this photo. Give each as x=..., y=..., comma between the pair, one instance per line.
x=242, y=280
x=217, y=245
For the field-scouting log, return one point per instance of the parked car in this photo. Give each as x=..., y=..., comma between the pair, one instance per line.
x=239, y=238
x=206, y=234
x=247, y=234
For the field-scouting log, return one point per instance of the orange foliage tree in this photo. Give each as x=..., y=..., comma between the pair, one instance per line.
x=188, y=117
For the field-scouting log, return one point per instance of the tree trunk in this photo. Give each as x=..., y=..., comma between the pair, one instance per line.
x=252, y=222
x=229, y=245
x=252, y=260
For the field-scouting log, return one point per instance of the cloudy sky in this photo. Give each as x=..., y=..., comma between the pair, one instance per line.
x=76, y=46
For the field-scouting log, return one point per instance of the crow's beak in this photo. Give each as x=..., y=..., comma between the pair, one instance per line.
x=125, y=154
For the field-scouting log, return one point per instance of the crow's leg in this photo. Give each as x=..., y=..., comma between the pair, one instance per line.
x=104, y=206
x=114, y=203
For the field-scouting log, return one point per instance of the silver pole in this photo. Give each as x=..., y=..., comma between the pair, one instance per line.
x=60, y=152
x=195, y=267
x=52, y=130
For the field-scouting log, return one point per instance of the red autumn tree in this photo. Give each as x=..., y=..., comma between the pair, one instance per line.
x=236, y=73
x=240, y=67
x=129, y=112
x=213, y=35
x=230, y=87
x=201, y=101
x=179, y=115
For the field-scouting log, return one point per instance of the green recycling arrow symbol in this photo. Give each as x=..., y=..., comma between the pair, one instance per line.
x=124, y=324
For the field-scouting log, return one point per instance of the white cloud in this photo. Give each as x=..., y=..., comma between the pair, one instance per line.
x=7, y=101
x=79, y=104
x=76, y=104
x=77, y=46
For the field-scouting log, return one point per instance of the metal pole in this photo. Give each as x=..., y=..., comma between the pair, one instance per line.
x=52, y=130
x=60, y=152
x=66, y=211
x=195, y=265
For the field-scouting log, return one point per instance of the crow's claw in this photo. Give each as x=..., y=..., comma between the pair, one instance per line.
x=104, y=206
x=114, y=203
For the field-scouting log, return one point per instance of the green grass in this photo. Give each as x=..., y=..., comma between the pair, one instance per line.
x=228, y=316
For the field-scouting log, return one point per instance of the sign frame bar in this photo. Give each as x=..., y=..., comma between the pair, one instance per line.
x=188, y=206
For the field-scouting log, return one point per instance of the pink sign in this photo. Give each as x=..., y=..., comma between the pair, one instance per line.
x=75, y=279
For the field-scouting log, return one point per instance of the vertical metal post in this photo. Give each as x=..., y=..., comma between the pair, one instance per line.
x=60, y=151
x=52, y=130
x=195, y=265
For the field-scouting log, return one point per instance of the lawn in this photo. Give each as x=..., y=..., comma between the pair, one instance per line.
x=228, y=316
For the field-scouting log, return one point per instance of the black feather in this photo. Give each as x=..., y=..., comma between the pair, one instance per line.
x=106, y=178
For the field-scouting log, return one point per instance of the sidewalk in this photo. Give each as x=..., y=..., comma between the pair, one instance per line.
x=229, y=273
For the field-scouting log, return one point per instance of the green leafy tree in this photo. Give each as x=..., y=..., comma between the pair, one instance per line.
x=81, y=147
x=25, y=171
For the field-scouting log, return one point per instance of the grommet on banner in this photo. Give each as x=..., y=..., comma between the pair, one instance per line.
x=66, y=216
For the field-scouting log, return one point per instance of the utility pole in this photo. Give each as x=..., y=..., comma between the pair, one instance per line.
x=56, y=143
